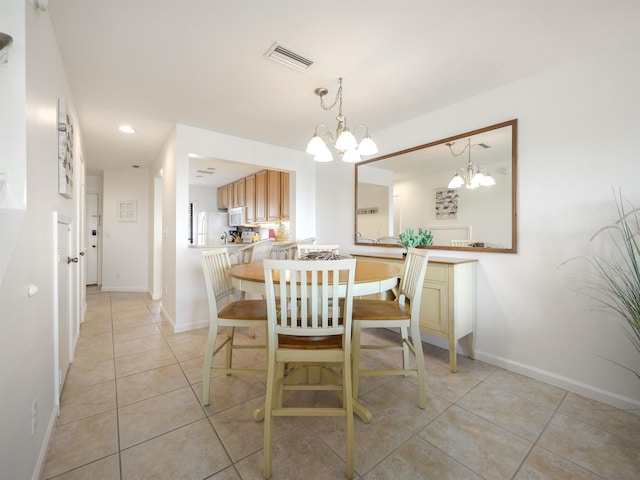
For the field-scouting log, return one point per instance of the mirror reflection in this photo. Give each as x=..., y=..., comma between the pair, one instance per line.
x=462, y=188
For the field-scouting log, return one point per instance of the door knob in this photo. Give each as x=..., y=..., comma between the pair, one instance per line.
x=74, y=259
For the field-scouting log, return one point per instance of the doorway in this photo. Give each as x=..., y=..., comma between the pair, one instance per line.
x=64, y=308
x=92, y=239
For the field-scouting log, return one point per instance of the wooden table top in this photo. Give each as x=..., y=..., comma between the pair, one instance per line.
x=366, y=271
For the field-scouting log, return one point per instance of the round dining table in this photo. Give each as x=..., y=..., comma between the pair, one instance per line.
x=370, y=278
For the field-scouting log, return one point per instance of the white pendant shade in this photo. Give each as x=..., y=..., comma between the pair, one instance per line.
x=367, y=146
x=324, y=155
x=351, y=156
x=346, y=140
x=488, y=181
x=315, y=145
x=456, y=182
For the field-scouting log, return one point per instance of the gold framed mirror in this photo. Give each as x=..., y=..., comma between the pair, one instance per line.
x=415, y=188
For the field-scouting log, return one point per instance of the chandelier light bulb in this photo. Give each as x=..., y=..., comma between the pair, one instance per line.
x=488, y=180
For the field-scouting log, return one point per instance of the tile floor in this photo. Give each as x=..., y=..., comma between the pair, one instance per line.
x=131, y=410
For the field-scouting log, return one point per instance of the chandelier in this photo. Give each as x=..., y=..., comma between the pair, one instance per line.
x=345, y=142
x=471, y=176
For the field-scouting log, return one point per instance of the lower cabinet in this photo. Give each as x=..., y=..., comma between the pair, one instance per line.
x=448, y=305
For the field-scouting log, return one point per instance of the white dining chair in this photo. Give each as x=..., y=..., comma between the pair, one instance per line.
x=395, y=314
x=315, y=327
x=232, y=314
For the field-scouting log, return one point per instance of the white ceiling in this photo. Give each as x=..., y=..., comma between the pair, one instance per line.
x=155, y=63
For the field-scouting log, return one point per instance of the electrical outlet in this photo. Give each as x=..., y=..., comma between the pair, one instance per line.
x=34, y=415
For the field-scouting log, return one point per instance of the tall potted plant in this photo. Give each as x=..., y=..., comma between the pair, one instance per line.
x=410, y=239
x=617, y=288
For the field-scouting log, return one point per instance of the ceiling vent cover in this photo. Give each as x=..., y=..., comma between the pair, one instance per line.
x=281, y=54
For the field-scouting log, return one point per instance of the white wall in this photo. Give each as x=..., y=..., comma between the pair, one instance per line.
x=184, y=298
x=27, y=323
x=578, y=139
x=125, y=245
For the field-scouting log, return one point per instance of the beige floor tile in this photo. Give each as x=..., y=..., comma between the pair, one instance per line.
x=481, y=446
x=452, y=386
x=301, y=455
x=418, y=459
x=373, y=441
x=157, y=415
x=84, y=374
x=94, y=327
x=187, y=347
x=190, y=452
x=241, y=434
x=466, y=365
x=597, y=450
x=227, y=391
x=533, y=390
x=129, y=321
x=542, y=464
x=398, y=399
x=104, y=469
x=620, y=422
x=227, y=474
x=148, y=384
x=93, y=352
x=138, y=345
x=78, y=443
x=82, y=402
x=131, y=333
x=516, y=414
x=141, y=362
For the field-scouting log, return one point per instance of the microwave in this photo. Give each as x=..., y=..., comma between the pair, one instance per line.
x=237, y=216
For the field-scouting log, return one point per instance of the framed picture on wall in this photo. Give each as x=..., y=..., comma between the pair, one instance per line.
x=128, y=211
x=65, y=150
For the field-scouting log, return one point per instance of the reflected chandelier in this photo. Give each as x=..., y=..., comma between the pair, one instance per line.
x=345, y=142
x=471, y=176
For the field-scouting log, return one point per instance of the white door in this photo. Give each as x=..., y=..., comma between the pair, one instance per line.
x=64, y=302
x=93, y=246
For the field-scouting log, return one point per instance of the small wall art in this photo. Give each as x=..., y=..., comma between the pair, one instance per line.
x=65, y=150
x=127, y=210
x=447, y=204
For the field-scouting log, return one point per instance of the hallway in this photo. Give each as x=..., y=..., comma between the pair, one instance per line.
x=131, y=410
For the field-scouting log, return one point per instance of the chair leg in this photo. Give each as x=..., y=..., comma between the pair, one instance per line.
x=405, y=348
x=229, y=347
x=417, y=347
x=268, y=418
x=347, y=399
x=356, y=335
x=206, y=369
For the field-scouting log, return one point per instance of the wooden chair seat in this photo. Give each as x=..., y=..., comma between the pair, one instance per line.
x=249, y=310
x=380, y=310
x=310, y=343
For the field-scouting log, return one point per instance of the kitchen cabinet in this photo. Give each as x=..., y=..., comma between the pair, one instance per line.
x=278, y=195
x=448, y=305
x=284, y=196
x=239, y=190
x=223, y=197
x=261, y=196
x=250, y=198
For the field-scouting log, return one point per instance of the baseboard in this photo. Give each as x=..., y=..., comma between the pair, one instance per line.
x=190, y=326
x=42, y=456
x=107, y=288
x=560, y=381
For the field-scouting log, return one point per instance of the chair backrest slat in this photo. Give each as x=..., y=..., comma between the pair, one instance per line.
x=415, y=266
x=215, y=266
x=308, y=294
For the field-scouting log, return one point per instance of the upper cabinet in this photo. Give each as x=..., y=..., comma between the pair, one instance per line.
x=278, y=195
x=265, y=195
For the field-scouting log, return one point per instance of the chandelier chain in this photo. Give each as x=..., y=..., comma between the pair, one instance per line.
x=338, y=98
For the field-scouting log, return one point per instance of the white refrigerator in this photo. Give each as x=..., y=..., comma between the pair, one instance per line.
x=209, y=227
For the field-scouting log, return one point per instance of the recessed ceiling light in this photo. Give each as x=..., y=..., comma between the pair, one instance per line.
x=126, y=129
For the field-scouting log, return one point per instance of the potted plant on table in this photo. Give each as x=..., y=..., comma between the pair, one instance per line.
x=410, y=239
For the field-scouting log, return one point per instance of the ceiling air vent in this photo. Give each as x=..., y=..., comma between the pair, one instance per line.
x=281, y=54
